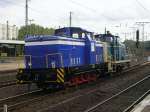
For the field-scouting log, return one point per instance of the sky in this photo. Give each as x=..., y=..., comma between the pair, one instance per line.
x=118, y=16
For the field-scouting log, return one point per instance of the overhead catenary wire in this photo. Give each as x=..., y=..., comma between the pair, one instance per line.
x=32, y=10
x=91, y=9
x=142, y=6
x=72, y=1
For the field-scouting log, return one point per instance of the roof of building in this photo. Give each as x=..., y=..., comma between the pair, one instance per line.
x=12, y=42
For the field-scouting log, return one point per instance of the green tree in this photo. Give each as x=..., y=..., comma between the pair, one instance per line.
x=34, y=29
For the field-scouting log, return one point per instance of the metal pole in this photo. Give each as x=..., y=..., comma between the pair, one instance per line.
x=7, y=29
x=105, y=30
x=143, y=40
x=26, y=17
x=70, y=19
x=133, y=32
x=143, y=25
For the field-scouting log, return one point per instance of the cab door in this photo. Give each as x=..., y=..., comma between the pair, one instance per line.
x=28, y=61
x=54, y=60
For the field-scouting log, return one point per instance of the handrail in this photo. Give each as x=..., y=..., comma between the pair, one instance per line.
x=29, y=60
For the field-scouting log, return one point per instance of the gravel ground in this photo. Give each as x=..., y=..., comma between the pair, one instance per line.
x=14, y=90
x=124, y=100
x=7, y=76
x=86, y=96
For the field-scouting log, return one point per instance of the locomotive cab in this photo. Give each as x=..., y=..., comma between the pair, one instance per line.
x=49, y=58
x=73, y=32
x=116, y=50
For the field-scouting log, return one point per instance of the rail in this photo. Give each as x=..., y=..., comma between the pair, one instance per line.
x=7, y=83
x=116, y=95
x=9, y=100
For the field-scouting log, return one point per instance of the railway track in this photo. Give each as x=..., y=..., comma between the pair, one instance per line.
x=123, y=101
x=20, y=99
x=135, y=67
x=7, y=83
x=129, y=108
x=67, y=105
x=13, y=82
x=128, y=97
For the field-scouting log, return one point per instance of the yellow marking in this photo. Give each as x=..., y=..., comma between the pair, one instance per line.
x=105, y=54
x=20, y=65
x=62, y=80
x=62, y=70
x=21, y=81
x=58, y=81
x=20, y=71
x=60, y=73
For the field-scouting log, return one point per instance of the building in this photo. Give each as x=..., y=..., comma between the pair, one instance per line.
x=8, y=32
x=11, y=48
x=9, y=45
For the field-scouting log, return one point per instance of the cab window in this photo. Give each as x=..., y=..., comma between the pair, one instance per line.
x=75, y=35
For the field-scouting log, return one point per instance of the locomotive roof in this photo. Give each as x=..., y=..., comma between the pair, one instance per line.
x=66, y=30
x=72, y=29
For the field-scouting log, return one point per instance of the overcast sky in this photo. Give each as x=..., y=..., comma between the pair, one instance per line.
x=116, y=15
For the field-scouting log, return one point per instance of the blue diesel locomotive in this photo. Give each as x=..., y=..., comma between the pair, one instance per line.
x=71, y=57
